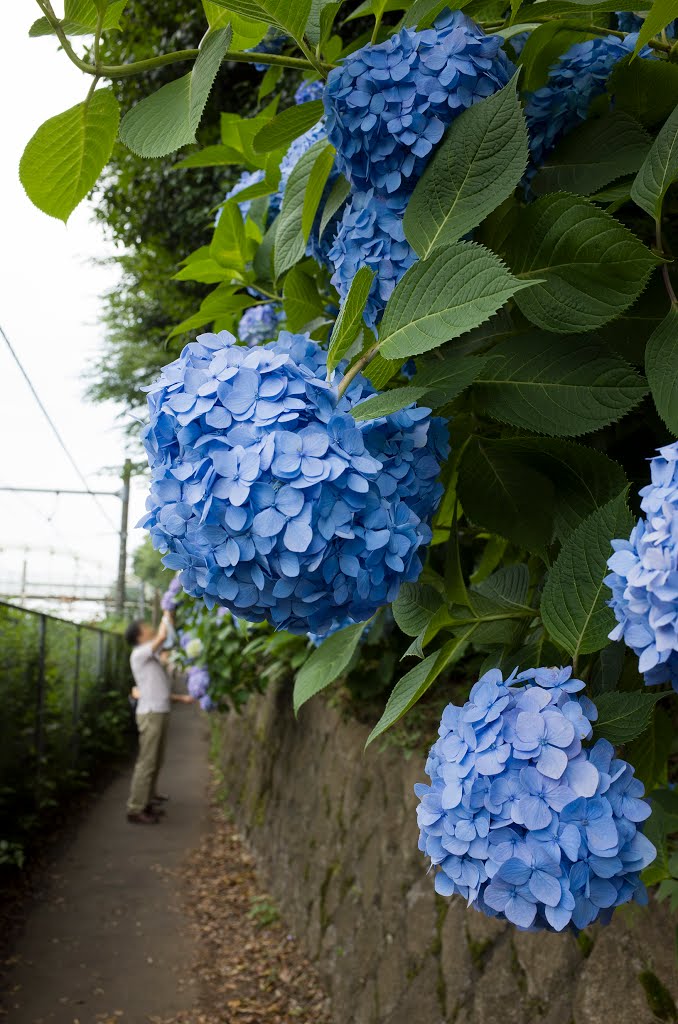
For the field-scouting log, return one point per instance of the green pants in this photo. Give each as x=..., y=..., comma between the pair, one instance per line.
x=152, y=738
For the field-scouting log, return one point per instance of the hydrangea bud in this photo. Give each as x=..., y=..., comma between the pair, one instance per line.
x=644, y=577
x=388, y=104
x=524, y=817
x=270, y=497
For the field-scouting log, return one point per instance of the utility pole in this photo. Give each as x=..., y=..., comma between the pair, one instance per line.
x=122, y=555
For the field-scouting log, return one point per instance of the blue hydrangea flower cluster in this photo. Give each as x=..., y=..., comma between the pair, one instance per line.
x=388, y=105
x=387, y=108
x=574, y=81
x=371, y=234
x=259, y=324
x=521, y=818
x=271, y=499
x=309, y=91
x=644, y=577
x=197, y=681
x=169, y=600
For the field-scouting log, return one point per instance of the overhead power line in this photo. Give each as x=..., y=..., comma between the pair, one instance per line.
x=55, y=431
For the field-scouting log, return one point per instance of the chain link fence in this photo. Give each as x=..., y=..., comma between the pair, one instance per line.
x=63, y=714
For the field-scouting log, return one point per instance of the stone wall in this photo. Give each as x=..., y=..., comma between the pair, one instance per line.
x=335, y=831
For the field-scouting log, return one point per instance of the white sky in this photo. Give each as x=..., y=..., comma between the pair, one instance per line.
x=49, y=305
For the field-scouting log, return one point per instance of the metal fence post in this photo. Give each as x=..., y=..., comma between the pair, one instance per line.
x=76, y=698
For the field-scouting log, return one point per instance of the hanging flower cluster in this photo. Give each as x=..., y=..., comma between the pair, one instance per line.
x=387, y=108
x=259, y=324
x=272, y=499
x=644, y=577
x=574, y=81
x=521, y=818
x=371, y=234
x=169, y=600
x=627, y=21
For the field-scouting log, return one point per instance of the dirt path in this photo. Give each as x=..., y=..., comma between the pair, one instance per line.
x=162, y=924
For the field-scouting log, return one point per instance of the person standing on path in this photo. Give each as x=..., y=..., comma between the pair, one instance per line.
x=154, y=700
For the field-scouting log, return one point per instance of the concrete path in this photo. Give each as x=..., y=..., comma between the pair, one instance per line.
x=109, y=942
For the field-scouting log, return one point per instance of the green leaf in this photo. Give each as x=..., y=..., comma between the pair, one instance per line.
x=505, y=589
x=80, y=19
x=659, y=170
x=504, y=494
x=349, y=323
x=289, y=244
x=246, y=33
x=594, y=154
x=574, y=603
x=445, y=379
x=590, y=267
x=479, y=163
x=414, y=606
x=379, y=371
x=414, y=685
x=645, y=89
x=263, y=258
x=314, y=191
x=661, y=14
x=661, y=367
x=649, y=753
x=441, y=298
x=338, y=193
x=228, y=245
x=210, y=156
x=542, y=49
x=387, y=403
x=289, y=15
x=623, y=717
x=567, y=387
x=326, y=664
x=320, y=19
x=287, y=126
x=301, y=300
x=583, y=479
x=168, y=119
x=68, y=152
x=272, y=76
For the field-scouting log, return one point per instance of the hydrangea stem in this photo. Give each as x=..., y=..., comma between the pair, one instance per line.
x=668, y=284
x=117, y=71
x=359, y=365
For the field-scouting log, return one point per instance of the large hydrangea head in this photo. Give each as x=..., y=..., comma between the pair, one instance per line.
x=271, y=499
x=644, y=577
x=524, y=817
x=170, y=599
x=259, y=324
x=370, y=233
x=388, y=104
x=577, y=78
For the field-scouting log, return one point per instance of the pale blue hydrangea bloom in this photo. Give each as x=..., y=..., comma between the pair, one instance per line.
x=388, y=104
x=273, y=42
x=370, y=233
x=644, y=578
x=271, y=499
x=627, y=21
x=259, y=324
x=523, y=817
x=246, y=179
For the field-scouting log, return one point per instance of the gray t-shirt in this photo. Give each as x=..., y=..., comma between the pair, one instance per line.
x=151, y=679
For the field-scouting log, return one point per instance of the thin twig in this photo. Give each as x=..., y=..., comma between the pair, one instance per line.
x=359, y=365
x=665, y=268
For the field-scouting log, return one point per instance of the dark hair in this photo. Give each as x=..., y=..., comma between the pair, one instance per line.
x=133, y=632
